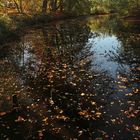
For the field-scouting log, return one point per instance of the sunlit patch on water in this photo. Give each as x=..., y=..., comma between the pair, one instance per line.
x=104, y=47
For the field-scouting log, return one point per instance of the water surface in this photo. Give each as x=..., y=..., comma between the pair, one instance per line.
x=74, y=79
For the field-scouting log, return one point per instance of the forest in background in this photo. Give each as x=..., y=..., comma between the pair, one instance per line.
x=15, y=14
x=78, y=7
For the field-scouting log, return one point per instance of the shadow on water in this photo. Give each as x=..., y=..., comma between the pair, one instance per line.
x=73, y=79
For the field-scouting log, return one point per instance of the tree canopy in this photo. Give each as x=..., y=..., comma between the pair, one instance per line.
x=70, y=6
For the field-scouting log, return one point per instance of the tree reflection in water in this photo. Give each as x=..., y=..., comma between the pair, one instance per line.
x=61, y=95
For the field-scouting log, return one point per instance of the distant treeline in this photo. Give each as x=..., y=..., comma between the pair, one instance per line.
x=69, y=6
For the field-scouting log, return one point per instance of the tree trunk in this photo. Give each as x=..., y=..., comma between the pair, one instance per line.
x=61, y=5
x=17, y=6
x=21, y=6
x=44, y=6
x=54, y=5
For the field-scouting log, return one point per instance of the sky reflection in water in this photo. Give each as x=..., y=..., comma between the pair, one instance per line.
x=102, y=46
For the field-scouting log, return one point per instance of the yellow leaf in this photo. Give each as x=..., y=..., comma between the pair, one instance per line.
x=2, y=113
x=82, y=94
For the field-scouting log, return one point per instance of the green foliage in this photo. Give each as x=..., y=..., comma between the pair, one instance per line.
x=71, y=6
x=79, y=7
x=125, y=7
x=4, y=29
x=6, y=32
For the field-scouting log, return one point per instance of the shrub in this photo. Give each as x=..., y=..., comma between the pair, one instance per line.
x=6, y=31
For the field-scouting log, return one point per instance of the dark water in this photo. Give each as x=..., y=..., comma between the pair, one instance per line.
x=74, y=79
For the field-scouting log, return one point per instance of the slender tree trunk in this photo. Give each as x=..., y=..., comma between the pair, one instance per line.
x=61, y=5
x=54, y=5
x=21, y=6
x=17, y=6
x=44, y=6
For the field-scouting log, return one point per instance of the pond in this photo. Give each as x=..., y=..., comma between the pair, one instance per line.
x=74, y=79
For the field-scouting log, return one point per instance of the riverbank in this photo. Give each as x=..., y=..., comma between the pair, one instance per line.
x=7, y=32
x=19, y=22
x=26, y=20
x=132, y=18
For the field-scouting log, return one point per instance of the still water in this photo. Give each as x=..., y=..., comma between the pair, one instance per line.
x=74, y=79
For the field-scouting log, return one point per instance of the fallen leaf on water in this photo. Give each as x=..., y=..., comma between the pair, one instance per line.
x=83, y=112
x=8, y=98
x=40, y=133
x=113, y=121
x=98, y=114
x=80, y=133
x=45, y=120
x=129, y=94
x=62, y=117
x=136, y=90
x=93, y=103
x=136, y=127
x=20, y=119
x=112, y=103
x=138, y=68
x=2, y=113
x=82, y=94
x=123, y=87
